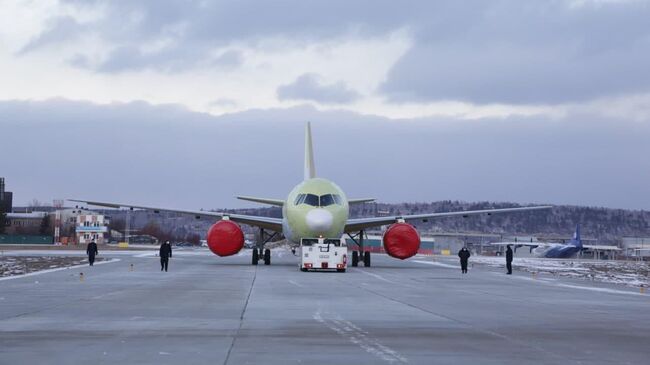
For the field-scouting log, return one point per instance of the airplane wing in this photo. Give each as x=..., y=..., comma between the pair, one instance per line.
x=358, y=224
x=602, y=247
x=520, y=243
x=277, y=202
x=360, y=200
x=274, y=224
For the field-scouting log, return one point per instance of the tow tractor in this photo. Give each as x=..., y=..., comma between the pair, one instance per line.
x=321, y=254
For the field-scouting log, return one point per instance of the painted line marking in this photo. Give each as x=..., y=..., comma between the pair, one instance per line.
x=554, y=282
x=296, y=284
x=57, y=269
x=440, y=264
x=377, y=276
x=146, y=254
x=359, y=337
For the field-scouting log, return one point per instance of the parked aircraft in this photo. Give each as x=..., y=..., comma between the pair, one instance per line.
x=558, y=250
x=315, y=208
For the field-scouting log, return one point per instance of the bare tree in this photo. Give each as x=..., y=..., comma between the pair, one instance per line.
x=45, y=228
x=34, y=204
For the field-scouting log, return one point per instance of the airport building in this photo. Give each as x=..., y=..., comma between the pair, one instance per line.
x=78, y=226
x=636, y=246
x=91, y=226
x=24, y=223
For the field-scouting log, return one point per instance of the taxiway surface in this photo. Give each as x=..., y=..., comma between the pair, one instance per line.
x=225, y=311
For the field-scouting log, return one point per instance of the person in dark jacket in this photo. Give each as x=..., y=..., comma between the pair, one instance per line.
x=91, y=251
x=509, y=260
x=464, y=257
x=165, y=254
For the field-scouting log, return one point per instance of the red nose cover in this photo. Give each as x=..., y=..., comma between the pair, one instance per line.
x=225, y=238
x=401, y=241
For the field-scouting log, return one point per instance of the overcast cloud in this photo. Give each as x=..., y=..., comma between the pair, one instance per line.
x=307, y=87
x=65, y=149
x=501, y=100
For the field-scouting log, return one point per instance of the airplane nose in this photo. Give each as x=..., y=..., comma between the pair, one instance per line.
x=319, y=220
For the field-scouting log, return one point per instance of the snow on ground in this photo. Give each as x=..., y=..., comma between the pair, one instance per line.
x=630, y=273
x=20, y=265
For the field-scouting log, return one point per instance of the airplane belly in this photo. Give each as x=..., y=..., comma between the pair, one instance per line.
x=560, y=253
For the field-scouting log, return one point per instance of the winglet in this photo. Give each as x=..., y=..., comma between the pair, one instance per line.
x=310, y=169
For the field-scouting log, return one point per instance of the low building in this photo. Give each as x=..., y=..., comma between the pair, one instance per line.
x=636, y=246
x=24, y=223
x=91, y=226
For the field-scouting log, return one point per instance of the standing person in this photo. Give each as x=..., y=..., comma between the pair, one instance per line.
x=509, y=260
x=165, y=254
x=464, y=256
x=91, y=251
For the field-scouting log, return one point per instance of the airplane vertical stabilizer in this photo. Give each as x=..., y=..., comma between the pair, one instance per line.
x=310, y=169
x=576, y=241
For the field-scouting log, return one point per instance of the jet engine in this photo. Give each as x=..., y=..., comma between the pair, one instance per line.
x=225, y=238
x=401, y=240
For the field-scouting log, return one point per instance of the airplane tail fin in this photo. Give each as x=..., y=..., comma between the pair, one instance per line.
x=310, y=169
x=576, y=241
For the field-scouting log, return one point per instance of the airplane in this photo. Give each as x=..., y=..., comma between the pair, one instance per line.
x=315, y=208
x=558, y=250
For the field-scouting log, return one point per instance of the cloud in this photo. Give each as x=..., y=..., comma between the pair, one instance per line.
x=59, y=29
x=581, y=159
x=307, y=87
x=223, y=102
x=509, y=53
x=527, y=53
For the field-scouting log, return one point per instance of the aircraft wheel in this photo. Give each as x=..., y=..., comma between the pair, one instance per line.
x=340, y=270
x=256, y=256
x=303, y=269
x=267, y=257
x=366, y=259
x=355, y=258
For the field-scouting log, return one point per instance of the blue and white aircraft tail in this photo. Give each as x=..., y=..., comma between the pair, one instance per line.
x=552, y=250
x=576, y=241
x=562, y=251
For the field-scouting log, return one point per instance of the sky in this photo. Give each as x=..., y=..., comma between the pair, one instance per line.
x=185, y=104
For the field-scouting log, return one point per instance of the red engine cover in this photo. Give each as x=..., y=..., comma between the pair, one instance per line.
x=401, y=241
x=225, y=238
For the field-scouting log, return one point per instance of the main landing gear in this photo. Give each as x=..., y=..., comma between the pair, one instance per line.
x=360, y=255
x=260, y=253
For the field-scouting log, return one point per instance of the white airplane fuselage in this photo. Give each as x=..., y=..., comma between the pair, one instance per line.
x=314, y=208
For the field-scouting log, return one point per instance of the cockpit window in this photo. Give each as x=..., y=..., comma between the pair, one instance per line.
x=326, y=200
x=299, y=199
x=316, y=201
x=312, y=200
x=337, y=199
